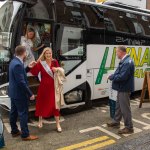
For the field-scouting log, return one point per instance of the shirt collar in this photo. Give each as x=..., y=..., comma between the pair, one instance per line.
x=124, y=57
x=20, y=59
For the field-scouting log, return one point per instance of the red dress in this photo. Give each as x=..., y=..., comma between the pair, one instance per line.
x=45, y=102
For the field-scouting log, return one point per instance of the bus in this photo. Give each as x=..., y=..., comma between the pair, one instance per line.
x=83, y=36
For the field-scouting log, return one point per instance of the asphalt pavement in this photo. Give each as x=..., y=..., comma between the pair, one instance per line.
x=85, y=130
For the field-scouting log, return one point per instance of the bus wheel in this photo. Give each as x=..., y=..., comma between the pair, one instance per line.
x=81, y=107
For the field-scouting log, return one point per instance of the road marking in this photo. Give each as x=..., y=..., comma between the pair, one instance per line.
x=33, y=124
x=94, y=147
x=85, y=143
x=137, y=99
x=136, y=130
x=104, y=125
x=88, y=129
x=8, y=127
x=140, y=122
x=104, y=111
x=134, y=103
x=147, y=126
x=101, y=129
x=146, y=115
x=104, y=107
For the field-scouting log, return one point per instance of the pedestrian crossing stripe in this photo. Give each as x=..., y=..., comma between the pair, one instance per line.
x=84, y=144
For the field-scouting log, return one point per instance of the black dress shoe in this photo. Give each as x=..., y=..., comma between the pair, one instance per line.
x=126, y=131
x=113, y=124
x=16, y=134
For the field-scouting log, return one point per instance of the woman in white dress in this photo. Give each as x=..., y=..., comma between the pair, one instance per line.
x=28, y=41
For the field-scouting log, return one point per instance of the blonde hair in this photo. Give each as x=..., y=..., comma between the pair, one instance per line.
x=42, y=56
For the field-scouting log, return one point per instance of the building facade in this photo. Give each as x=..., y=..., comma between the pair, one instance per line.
x=148, y=4
x=138, y=3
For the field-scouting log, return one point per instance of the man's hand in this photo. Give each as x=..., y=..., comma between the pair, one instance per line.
x=32, y=98
x=108, y=77
x=32, y=64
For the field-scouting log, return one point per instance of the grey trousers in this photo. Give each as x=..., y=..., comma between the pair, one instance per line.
x=123, y=109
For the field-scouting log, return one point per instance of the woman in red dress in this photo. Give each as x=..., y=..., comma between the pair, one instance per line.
x=45, y=104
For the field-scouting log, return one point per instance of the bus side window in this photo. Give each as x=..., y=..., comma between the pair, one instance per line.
x=114, y=21
x=145, y=22
x=133, y=21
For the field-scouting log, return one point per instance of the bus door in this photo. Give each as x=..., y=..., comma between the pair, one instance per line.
x=42, y=39
x=71, y=55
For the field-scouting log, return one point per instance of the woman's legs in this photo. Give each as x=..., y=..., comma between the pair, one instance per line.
x=40, y=125
x=57, y=118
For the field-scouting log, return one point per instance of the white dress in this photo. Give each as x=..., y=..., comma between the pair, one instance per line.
x=28, y=45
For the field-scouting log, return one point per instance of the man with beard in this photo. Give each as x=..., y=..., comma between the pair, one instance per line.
x=19, y=93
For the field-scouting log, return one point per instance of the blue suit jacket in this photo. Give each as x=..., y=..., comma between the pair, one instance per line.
x=18, y=85
x=123, y=78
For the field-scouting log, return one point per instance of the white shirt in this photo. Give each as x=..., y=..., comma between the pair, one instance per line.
x=20, y=59
x=124, y=57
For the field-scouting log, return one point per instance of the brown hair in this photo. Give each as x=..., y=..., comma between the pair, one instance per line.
x=30, y=30
x=122, y=48
x=19, y=50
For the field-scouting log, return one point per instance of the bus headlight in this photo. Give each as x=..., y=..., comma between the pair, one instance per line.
x=4, y=91
x=74, y=96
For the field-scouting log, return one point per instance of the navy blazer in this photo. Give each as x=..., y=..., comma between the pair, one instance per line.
x=18, y=85
x=123, y=78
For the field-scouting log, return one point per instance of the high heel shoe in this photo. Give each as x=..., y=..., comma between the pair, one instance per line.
x=40, y=125
x=59, y=130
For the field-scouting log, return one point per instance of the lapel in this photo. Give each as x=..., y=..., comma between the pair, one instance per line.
x=122, y=61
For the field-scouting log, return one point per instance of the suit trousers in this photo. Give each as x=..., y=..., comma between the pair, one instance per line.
x=19, y=107
x=123, y=109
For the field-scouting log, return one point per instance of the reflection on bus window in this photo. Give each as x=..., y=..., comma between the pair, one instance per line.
x=8, y=11
x=135, y=21
x=69, y=64
x=138, y=28
x=115, y=21
x=42, y=10
x=144, y=22
x=72, y=42
x=79, y=14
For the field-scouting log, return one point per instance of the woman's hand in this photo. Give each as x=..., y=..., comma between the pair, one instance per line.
x=32, y=64
x=54, y=69
x=42, y=46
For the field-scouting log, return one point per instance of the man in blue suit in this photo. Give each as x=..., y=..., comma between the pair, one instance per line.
x=19, y=93
x=123, y=82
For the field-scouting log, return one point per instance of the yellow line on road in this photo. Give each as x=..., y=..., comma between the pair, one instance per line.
x=85, y=143
x=94, y=147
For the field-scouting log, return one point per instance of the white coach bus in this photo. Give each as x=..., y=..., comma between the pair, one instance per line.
x=83, y=36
